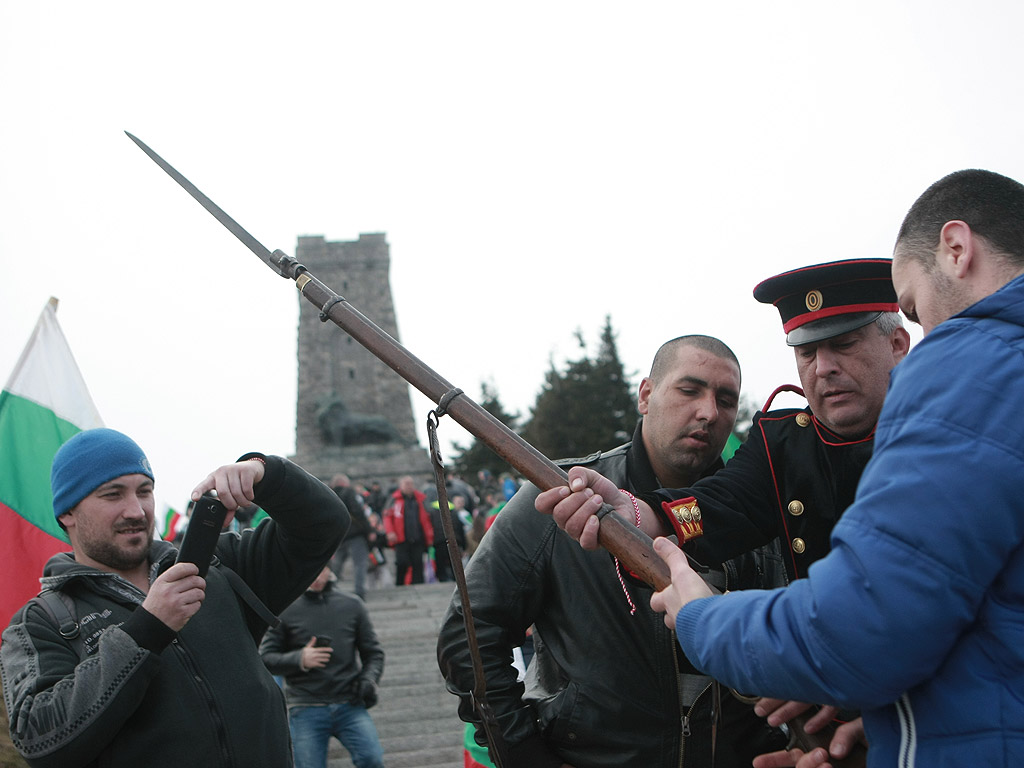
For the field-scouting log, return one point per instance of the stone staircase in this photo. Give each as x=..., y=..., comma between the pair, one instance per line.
x=416, y=716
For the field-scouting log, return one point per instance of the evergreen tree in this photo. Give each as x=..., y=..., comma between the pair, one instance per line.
x=619, y=400
x=586, y=408
x=468, y=462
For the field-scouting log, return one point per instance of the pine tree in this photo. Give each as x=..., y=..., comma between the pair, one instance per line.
x=619, y=400
x=586, y=408
x=469, y=461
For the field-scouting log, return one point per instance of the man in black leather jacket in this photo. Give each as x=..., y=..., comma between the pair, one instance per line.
x=607, y=686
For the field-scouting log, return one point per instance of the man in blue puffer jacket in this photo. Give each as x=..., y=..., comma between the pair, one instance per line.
x=917, y=615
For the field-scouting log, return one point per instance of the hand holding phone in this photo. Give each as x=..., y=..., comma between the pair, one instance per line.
x=204, y=528
x=316, y=653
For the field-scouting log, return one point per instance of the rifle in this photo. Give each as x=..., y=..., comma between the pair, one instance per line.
x=631, y=546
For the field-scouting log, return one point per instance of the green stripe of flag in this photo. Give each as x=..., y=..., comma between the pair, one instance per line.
x=731, y=446
x=29, y=437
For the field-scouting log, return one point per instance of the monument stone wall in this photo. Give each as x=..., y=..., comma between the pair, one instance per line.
x=353, y=413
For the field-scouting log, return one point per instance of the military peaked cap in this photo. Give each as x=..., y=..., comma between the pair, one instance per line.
x=826, y=300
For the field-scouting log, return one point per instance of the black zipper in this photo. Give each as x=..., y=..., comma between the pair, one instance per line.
x=207, y=693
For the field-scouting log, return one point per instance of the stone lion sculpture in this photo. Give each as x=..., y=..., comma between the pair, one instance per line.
x=342, y=427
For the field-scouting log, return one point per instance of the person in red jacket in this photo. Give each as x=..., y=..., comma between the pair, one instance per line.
x=408, y=528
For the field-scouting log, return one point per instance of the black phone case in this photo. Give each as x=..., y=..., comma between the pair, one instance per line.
x=204, y=528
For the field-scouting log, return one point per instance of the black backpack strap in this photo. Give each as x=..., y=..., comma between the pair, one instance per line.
x=61, y=609
x=245, y=592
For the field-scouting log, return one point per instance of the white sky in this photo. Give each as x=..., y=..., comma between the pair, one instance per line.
x=535, y=166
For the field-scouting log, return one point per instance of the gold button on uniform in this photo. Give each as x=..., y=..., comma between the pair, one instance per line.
x=799, y=545
x=802, y=419
x=796, y=507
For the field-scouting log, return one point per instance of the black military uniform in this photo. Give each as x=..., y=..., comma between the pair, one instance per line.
x=794, y=477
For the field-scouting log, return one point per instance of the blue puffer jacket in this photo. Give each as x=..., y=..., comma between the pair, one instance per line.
x=917, y=615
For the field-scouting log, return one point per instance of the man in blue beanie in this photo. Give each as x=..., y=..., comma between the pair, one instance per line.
x=141, y=661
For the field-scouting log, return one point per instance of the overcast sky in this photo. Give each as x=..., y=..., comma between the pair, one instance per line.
x=535, y=167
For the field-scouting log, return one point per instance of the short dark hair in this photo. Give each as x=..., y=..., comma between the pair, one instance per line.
x=708, y=343
x=990, y=204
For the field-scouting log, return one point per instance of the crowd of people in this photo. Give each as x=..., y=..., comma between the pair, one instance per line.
x=397, y=536
x=865, y=553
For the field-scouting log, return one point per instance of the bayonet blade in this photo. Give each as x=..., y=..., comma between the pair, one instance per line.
x=215, y=210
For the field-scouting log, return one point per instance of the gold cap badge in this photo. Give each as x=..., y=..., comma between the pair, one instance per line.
x=813, y=300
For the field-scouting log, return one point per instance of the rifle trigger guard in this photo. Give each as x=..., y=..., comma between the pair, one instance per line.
x=325, y=311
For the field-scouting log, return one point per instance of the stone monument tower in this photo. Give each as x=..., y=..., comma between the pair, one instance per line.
x=353, y=413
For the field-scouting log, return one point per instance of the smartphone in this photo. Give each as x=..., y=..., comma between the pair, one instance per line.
x=204, y=527
x=323, y=641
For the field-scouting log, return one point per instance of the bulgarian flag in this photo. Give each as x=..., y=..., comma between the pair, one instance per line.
x=173, y=520
x=44, y=403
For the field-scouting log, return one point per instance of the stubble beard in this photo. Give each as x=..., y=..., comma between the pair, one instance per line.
x=951, y=297
x=117, y=557
x=691, y=462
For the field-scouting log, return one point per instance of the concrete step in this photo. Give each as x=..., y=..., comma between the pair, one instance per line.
x=416, y=717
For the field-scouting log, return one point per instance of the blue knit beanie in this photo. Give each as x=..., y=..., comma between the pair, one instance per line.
x=90, y=459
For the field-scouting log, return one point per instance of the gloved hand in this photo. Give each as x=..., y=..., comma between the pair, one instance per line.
x=367, y=693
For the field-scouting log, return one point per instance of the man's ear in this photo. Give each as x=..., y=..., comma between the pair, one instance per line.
x=900, y=341
x=957, y=245
x=644, y=395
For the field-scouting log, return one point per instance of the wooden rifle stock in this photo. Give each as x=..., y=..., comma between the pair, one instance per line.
x=633, y=547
